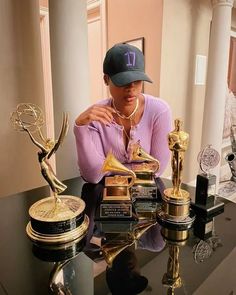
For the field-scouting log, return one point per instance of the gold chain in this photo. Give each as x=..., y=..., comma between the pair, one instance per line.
x=125, y=132
x=122, y=116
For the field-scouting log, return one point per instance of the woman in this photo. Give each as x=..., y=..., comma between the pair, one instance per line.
x=129, y=116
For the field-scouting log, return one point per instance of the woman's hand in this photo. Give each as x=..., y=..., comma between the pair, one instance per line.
x=100, y=113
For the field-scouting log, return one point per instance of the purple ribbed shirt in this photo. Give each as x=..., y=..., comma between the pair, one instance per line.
x=95, y=140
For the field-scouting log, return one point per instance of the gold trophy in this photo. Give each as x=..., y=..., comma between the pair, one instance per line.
x=174, y=239
x=176, y=201
x=59, y=218
x=144, y=186
x=116, y=202
x=111, y=249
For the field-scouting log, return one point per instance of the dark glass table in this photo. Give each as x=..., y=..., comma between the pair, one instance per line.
x=205, y=267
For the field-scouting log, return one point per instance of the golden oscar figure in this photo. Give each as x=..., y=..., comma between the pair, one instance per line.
x=176, y=200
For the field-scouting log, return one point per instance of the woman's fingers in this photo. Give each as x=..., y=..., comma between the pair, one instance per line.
x=103, y=114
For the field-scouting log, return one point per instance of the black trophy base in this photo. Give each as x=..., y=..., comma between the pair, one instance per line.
x=205, y=189
x=144, y=192
x=116, y=210
x=55, y=238
x=56, y=253
x=112, y=227
x=185, y=224
x=208, y=211
x=146, y=209
x=203, y=228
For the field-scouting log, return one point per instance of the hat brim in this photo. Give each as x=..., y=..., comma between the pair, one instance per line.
x=124, y=78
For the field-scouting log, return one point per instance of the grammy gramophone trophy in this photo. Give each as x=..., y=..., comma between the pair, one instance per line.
x=145, y=166
x=116, y=202
x=176, y=201
x=59, y=218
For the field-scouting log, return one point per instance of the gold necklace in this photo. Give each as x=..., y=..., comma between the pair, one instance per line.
x=125, y=132
x=122, y=116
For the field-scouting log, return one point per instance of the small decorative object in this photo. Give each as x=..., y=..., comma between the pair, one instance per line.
x=116, y=202
x=59, y=218
x=208, y=158
x=206, y=205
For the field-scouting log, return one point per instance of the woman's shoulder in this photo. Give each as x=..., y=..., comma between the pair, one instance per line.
x=156, y=104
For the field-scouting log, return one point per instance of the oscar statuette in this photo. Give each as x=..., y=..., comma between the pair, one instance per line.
x=116, y=202
x=175, y=212
x=56, y=219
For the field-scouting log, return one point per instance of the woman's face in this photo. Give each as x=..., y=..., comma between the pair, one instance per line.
x=125, y=95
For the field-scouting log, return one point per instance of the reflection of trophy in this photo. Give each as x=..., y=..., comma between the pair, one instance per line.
x=176, y=200
x=114, y=247
x=175, y=239
x=206, y=206
x=56, y=219
x=233, y=138
x=116, y=202
x=62, y=255
x=171, y=278
x=231, y=159
x=144, y=186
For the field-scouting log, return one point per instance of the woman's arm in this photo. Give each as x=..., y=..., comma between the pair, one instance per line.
x=159, y=144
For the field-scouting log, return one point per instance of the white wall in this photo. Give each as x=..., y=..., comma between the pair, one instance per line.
x=21, y=80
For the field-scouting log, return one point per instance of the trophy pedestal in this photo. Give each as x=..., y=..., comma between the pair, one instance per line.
x=205, y=189
x=116, y=204
x=146, y=209
x=203, y=224
x=176, y=207
x=57, y=222
x=203, y=228
x=144, y=187
x=208, y=211
x=175, y=217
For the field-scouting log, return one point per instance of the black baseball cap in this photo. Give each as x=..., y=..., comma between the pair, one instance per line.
x=124, y=64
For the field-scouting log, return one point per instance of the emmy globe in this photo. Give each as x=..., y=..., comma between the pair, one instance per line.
x=56, y=219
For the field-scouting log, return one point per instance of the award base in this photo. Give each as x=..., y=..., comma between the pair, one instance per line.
x=146, y=209
x=176, y=225
x=205, y=189
x=176, y=207
x=203, y=228
x=116, y=210
x=56, y=253
x=144, y=187
x=57, y=221
x=210, y=210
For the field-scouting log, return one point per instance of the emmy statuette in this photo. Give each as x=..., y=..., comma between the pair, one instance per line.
x=56, y=219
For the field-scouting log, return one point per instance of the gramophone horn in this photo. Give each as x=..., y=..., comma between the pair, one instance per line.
x=111, y=164
x=139, y=154
x=110, y=251
x=140, y=229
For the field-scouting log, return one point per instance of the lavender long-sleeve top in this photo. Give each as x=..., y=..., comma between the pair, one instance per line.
x=95, y=140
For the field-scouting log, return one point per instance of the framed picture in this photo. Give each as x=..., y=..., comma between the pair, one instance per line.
x=139, y=43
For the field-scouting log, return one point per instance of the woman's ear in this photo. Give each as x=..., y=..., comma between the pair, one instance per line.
x=106, y=79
